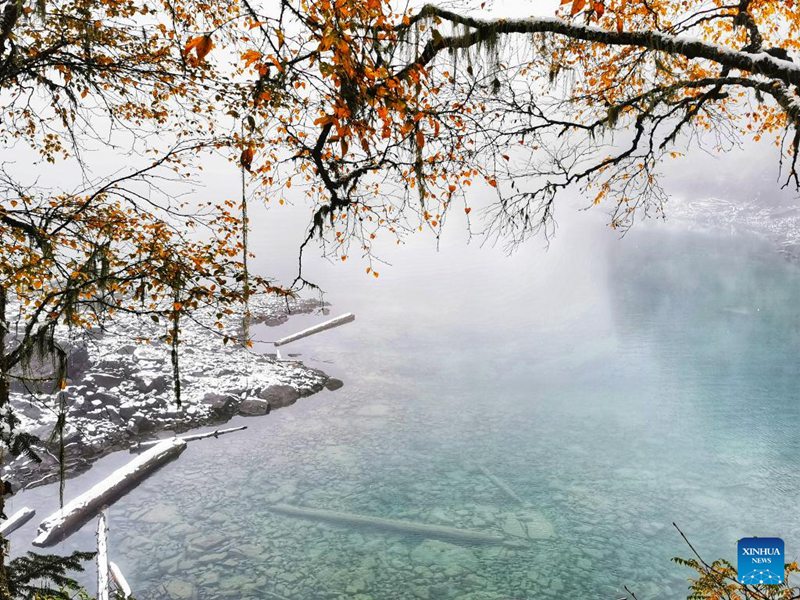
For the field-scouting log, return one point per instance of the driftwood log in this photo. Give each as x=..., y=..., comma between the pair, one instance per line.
x=119, y=580
x=502, y=486
x=407, y=527
x=17, y=520
x=102, y=556
x=335, y=322
x=188, y=438
x=77, y=512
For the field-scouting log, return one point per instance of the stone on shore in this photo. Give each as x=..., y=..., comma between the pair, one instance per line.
x=254, y=407
x=118, y=391
x=279, y=396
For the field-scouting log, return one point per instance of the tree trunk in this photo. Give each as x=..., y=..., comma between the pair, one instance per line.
x=246, y=274
x=5, y=594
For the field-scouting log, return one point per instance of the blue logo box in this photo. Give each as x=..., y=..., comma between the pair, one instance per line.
x=761, y=561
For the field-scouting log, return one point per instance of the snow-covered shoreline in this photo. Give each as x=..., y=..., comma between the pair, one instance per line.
x=773, y=220
x=120, y=389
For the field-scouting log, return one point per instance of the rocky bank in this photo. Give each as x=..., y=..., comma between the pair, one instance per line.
x=120, y=388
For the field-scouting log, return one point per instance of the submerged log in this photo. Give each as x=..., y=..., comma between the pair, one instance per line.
x=502, y=486
x=102, y=557
x=407, y=527
x=119, y=580
x=72, y=516
x=189, y=438
x=17, y=520
x=335, y=322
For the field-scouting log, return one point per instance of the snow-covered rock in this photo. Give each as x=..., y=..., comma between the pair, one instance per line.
x=120, y=391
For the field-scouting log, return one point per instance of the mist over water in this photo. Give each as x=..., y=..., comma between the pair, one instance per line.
x=614, y=385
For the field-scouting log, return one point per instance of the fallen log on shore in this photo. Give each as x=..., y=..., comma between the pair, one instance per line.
x=187, y=438
x=335, y=322
x=17, y=520
x=407, y=527
x=77, y=512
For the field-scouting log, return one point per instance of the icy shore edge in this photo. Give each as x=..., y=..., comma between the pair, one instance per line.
x=120, y=388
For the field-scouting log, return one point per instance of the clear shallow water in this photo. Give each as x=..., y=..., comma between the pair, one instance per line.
x=615, y=386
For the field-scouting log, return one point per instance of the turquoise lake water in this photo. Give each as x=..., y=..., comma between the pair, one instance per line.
x=616, y=386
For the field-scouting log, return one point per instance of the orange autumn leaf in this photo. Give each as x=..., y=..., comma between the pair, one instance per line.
x=275, y=62
x=246, y=158
x=324, y=120
x=201, y=45
x=192, y=44
x=467, y=210
x=420, y=139
x=577, y=6
x=250, y=57
x=204, y=47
